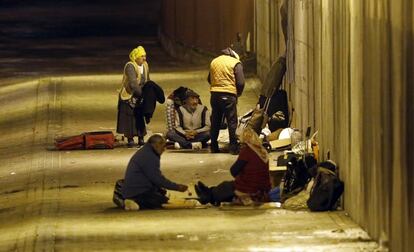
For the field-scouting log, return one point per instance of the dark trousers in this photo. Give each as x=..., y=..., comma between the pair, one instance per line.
x=174, y=136
x=152, y=199
x=223, y=104
x=223, y=192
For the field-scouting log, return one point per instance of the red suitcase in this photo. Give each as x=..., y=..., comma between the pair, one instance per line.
x=99, y=140
x=70, y=143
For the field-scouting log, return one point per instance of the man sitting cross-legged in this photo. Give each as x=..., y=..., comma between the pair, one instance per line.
x=192, y=124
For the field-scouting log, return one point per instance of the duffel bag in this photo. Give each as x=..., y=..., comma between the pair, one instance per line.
x=70, y=143
x=99, y=140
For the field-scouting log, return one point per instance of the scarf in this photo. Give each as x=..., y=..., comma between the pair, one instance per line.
x=251, y=139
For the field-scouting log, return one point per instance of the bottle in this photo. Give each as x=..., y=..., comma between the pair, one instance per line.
x=295, y=137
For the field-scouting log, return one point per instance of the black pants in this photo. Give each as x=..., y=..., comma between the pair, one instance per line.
x=223, y=192
x=223, y=104
x=152, y=199
x=174, y=136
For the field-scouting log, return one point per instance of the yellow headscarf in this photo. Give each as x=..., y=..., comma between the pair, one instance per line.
x=252, y=140
x=136, y=53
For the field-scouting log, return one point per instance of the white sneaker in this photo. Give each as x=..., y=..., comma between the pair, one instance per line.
x=196, y=146
x=177, y=146
x=130, y=205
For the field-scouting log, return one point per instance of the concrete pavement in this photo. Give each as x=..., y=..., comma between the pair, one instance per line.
x=61, y=201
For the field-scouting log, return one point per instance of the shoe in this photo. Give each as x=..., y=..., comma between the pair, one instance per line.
x=203, y=197
x=130, y=205
x=196, y=146
x=214, y=148
x=203, y=187
x=177, y=146
x=130, y=143
x=141, y=141
x=234, y=149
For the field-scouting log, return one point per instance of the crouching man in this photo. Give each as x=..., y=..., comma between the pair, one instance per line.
x=144, y=185
x=192, y=124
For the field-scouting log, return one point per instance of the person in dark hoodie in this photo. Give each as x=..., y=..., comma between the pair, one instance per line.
x=226, y=80
x=144, y=185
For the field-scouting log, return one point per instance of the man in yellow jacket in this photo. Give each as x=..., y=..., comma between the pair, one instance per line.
x=226, y=80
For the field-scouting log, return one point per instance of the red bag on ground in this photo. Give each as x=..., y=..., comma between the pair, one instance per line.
x=88, y=141
x=99, y=140
x=71, y=143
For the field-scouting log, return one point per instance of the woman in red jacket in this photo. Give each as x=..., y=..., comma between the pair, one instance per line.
x=251, y=172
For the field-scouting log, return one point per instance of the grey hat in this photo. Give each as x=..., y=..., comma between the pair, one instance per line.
x=191, y=93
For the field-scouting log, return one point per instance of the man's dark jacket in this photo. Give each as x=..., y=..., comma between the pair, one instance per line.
x=143, y=174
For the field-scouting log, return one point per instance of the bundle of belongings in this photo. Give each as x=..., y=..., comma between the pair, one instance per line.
x=307, y=184
x=272, y=108
x=86, y=141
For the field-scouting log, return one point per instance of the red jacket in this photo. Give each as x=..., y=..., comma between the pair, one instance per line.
x=254, y=176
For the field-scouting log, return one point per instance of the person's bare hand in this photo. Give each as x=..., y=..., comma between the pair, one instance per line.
x=189, y=134
x=182, y=188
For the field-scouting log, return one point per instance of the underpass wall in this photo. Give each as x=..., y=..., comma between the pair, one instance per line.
x=209, y=26
x=353, y=78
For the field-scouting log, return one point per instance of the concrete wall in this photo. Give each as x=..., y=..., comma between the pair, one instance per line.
x=207, y=25
x=354, y=82
x=268, y=32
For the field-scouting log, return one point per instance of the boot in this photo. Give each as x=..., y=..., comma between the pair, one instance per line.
x=214, y=147
x=203, y=193
x=130, y=143
x=141, y=141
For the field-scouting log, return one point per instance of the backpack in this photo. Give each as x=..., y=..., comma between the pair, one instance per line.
x=327, y=188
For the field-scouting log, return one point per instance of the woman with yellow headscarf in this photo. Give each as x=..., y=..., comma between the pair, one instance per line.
x=132, y=114
x=251, y=183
